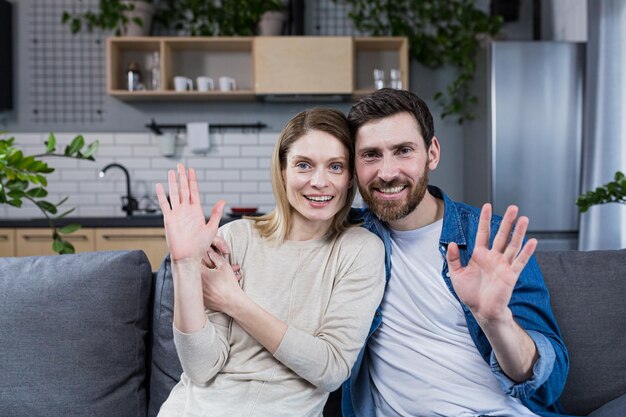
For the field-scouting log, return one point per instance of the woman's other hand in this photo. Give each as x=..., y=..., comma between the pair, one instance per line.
x=188, y=234
x=220, y=286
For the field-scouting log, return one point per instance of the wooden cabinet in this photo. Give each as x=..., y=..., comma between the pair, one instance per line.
x=150, y=240
x=272, y=65
x=189, y=57
x=7, y=242
x=38, y=241
x=379, y=53
x=303, y=65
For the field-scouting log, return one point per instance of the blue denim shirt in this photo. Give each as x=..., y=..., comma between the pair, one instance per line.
x=529, y=303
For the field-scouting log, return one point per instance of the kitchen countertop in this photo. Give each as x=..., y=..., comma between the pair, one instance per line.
x=134, y=221
x=153, y=220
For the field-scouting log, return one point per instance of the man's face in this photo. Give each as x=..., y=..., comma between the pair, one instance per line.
x=392, y=165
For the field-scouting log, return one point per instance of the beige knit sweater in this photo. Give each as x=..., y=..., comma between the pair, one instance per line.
x=325, y=291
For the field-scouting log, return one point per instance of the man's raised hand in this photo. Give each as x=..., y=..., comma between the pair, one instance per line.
x=486, y=283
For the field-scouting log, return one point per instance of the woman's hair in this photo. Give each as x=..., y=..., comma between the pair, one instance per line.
x=276, y=224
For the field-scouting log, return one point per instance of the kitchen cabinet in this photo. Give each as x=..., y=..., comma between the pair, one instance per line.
x=303, y=65
x=38, y=241
x=150, y=240
x=7, y=242
x=262, y=66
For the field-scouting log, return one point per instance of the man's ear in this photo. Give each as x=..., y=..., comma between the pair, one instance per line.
x=434, y=151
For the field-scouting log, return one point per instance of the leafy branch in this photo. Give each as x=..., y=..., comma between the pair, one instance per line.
x=211, y=18
x=24, y=178
x=440, y=33
x=611, y=192
x=111, y=14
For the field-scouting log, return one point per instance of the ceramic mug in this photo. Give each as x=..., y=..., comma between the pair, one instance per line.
x=167, y=144
x=183, y=83
x=205, y=83
x=227, y=84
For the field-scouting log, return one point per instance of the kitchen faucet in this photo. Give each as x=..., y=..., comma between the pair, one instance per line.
x=129, y=204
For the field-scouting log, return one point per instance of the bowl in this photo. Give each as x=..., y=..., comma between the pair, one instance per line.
x=243, y=211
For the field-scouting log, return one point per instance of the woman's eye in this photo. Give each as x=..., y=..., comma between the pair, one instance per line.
x=302, y=165
x=336, y=167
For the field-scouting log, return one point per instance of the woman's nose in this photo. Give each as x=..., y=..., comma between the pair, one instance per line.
x=319, y=179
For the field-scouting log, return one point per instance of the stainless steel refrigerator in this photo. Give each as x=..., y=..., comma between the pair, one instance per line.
x=525, y=146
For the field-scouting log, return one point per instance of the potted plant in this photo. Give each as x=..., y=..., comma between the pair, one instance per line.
x=125, y=17
x=211, y=18
x=23, y=177
x=611, y=192
x=440, y=33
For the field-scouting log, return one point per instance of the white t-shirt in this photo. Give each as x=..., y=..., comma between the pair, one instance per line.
x=422, y=360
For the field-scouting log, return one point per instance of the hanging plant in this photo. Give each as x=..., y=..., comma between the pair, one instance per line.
x=440, y=33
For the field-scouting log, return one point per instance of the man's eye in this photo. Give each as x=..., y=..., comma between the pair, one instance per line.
x=405, y=150
x=368, y=155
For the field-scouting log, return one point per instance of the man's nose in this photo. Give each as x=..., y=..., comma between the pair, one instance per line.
x=388, y=170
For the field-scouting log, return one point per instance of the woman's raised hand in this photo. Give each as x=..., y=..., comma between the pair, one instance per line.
x=189, y=235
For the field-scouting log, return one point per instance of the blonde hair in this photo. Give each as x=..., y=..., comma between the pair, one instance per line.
x=276, y=224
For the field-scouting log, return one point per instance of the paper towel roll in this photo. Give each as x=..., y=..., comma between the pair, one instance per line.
x=198, y=137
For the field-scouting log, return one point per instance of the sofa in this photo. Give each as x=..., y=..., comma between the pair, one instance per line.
x=90, y=334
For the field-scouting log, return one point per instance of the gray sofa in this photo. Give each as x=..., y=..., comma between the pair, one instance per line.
x=90, y=334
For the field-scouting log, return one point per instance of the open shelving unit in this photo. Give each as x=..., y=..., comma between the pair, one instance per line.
x=281, y=65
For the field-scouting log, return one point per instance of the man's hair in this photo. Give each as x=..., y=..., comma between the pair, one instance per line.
x=388, y=102
x=276, y=225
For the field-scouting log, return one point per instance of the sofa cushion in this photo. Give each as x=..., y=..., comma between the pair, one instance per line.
x=73, y=334
x=166, y=368
x=587, y=292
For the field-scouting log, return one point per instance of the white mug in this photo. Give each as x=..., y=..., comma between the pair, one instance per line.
x=183, y=84
x=204, y=83
x=167, y=144
x=227, y=84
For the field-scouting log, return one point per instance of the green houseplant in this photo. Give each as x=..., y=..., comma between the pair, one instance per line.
x=611, y=192
x=125, y=17
x=23, y=177
x=440, y=33
x=211, y=18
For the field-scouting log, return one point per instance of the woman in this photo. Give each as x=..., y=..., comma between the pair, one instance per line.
x=276, y=341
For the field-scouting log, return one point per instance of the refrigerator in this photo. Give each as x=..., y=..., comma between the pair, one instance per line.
x=524, y=147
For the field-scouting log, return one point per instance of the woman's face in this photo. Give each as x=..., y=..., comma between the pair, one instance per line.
x=317, y=179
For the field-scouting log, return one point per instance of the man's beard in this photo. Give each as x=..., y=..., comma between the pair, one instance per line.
x=393, y=210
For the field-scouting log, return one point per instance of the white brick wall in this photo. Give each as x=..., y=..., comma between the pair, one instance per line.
x=235, y=169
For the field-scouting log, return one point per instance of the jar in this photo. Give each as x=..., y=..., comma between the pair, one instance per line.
x=133, y=77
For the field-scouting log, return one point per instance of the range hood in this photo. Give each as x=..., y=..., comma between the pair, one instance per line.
x=304, y=98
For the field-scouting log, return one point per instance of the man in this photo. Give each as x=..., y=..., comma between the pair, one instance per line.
x=465, y=327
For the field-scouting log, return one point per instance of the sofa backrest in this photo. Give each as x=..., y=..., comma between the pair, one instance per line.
x=166, y=368
x=588, y=294
x=73, y=334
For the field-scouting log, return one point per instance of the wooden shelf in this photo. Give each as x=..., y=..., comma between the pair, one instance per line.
x=262, y=66
x=238, y=95
x=384, y=53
